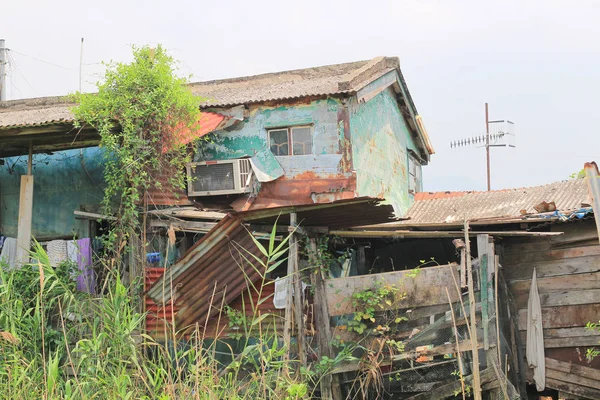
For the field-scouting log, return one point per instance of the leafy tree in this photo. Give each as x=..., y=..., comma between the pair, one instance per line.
x=143, y=112
x=578, y=175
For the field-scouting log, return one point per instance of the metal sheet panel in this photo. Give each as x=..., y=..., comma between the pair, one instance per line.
x=334, y=215
x=214, y=264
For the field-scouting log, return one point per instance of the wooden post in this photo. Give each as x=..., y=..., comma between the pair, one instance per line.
x=361, y=262
x=25, y=218
x=473, y=318
x=330, y=389
x=287, y=330
x=25, y=212
x=294, y=296
x=497, y=309
x=484, y=266
x=298, y=309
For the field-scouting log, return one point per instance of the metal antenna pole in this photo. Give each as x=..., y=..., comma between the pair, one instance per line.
x=487, y=145
x=2, y=70
x=502, y=136
x=80, y=63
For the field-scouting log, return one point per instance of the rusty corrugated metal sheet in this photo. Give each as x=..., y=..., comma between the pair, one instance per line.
x=452, y=207
x=159, y=317
x=213, y=263
x=219, y=327
x=334, y=215
x=303, y=189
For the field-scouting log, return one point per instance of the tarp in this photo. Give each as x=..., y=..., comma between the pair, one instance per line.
x=535, y=336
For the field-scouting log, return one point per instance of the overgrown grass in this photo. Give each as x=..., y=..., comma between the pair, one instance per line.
x=57, y=343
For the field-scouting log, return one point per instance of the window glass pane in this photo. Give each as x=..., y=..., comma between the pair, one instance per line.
x=412, y=166
x=278, y=142
x=302, y=141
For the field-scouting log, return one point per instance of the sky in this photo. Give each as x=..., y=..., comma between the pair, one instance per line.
x=537, y=63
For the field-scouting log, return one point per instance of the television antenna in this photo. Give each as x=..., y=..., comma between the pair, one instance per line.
x=501, y=135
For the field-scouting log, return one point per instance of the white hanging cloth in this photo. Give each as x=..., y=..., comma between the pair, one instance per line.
x=535, y=336
x=9, y=252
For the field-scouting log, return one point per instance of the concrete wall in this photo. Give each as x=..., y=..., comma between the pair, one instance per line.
x=61, y=186
x=250, y=136
x=380, y=144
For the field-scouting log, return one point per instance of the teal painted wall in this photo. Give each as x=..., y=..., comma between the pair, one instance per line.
x=380, y=143
x=61, y=186
x=250, y=136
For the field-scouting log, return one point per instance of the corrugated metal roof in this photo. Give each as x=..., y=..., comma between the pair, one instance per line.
x=317, y=81
x=452, y=207
x=36, y=112
x=213, y=263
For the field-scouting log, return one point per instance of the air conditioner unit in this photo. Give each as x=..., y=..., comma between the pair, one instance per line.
x=213, y=178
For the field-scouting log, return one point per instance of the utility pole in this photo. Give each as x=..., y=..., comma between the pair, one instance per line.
x=3, y=61
x=487, y=145
x=502, y=136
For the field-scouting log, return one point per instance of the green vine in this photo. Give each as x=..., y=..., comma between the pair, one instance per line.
x=369, y=301
x=143, y=113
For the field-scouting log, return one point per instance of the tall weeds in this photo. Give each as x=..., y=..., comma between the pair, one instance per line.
x=57, y=343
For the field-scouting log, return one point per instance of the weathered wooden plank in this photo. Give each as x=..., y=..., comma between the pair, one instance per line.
x=426, y=288
x=557, y=283
x=549, y=255
x=436, y=234
x=573, y=337
x=580, y=341
x=25, y=219
x=562, y=298
x=563, y=317
x=580, y=370
x=571, y=388
x=577, y=265
x=447, y=390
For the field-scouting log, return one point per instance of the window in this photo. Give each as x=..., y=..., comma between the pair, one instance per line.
x=414, y=174
x=294, y=141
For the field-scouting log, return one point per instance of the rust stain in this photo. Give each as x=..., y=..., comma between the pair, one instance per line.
x=303, y=189
x=346, y=164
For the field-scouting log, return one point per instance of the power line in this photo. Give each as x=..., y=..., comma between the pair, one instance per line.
x=40, y=60
x=14, y=67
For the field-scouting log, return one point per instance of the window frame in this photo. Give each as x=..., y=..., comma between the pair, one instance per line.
x=415, y=178
x=290, y=139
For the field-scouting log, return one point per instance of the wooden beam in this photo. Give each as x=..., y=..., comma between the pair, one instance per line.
x=425, y=288
x=433, y=234
x=89, y=215
x=189, y=226
x=188, y=212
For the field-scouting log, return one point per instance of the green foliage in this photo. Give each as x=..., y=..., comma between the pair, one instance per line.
x=578, y=175
x=141, y=111
x=99, y=341
x=592, y=352
x=367, y=302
